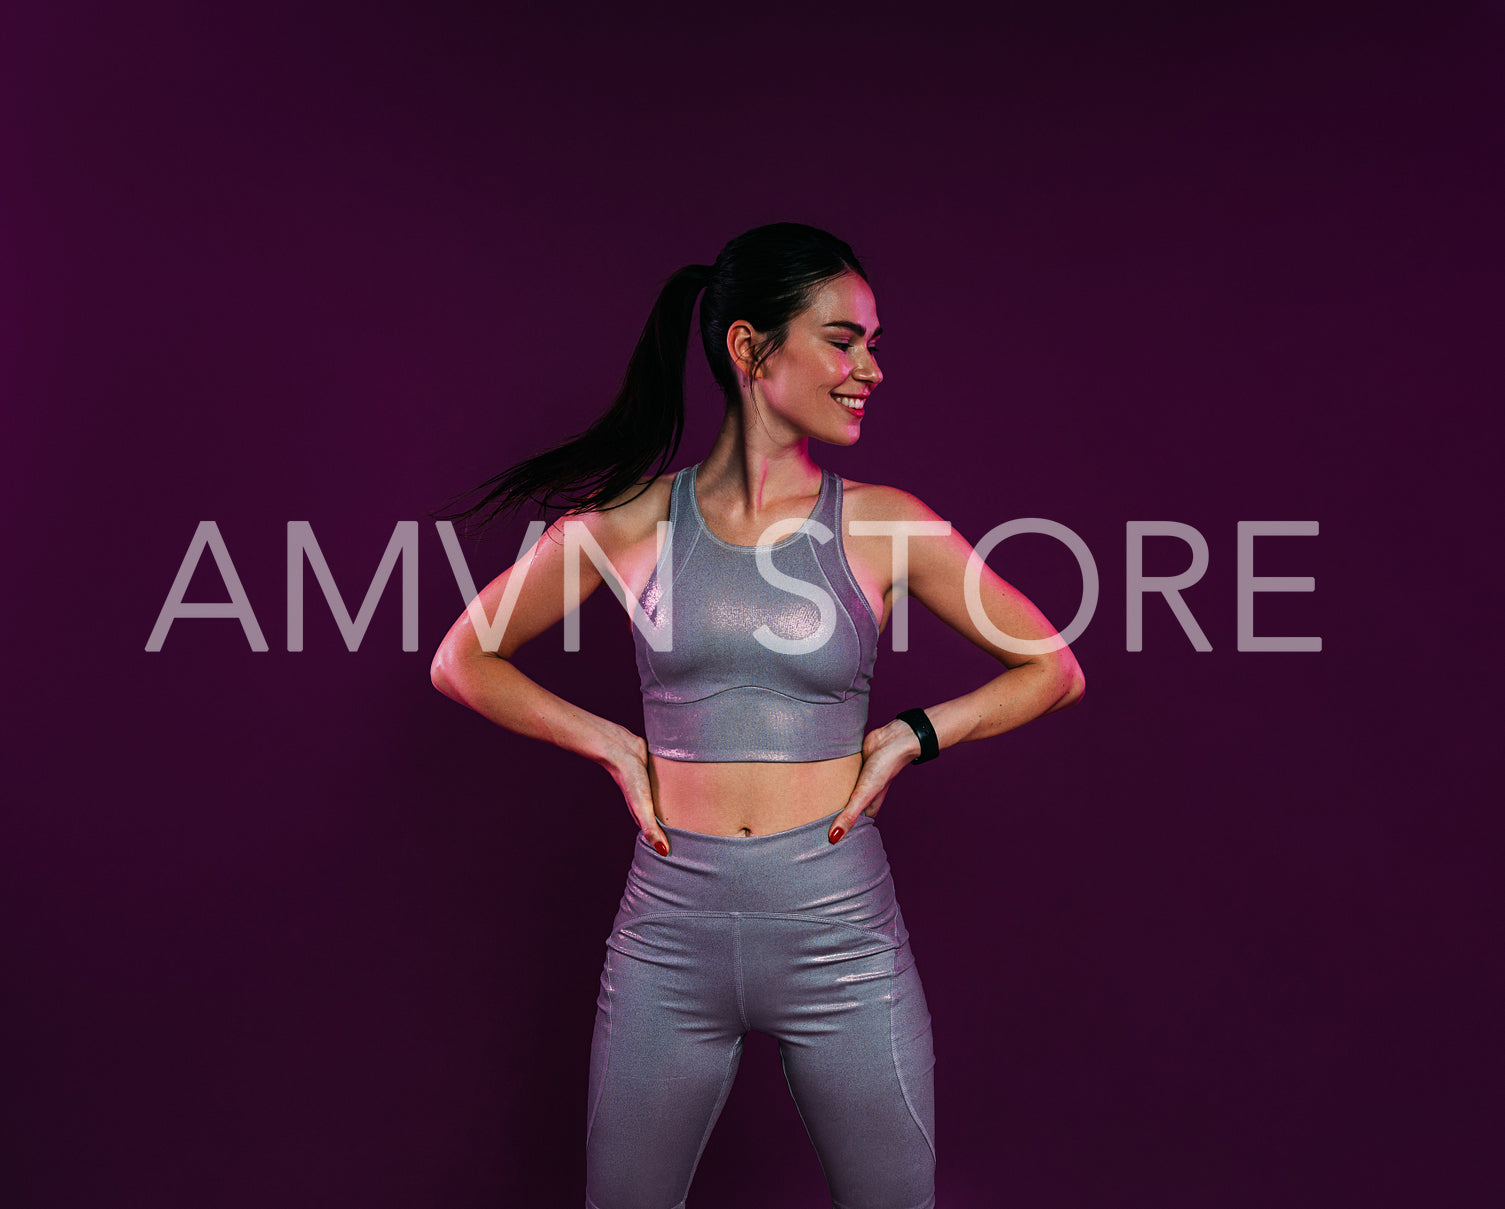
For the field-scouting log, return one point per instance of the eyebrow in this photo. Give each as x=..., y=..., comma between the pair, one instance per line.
x=855, y=328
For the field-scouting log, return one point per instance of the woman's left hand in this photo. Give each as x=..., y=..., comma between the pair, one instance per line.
x=884, y=752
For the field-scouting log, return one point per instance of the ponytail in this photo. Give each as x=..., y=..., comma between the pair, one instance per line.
x=641, y=429
x=763, y=277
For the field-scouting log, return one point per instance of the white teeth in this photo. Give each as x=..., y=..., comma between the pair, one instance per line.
x=849, y=404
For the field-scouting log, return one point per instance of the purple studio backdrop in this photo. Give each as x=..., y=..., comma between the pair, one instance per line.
x=290, y=928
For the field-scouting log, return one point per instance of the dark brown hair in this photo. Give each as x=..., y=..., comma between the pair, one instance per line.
x=764, y=277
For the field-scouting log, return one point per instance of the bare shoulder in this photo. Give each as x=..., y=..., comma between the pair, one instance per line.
x=633, y=515
x=880, y=502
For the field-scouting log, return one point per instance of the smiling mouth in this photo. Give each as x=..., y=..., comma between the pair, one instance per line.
x=853, y=403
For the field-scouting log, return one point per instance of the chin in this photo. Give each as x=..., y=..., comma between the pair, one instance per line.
x=849, y=436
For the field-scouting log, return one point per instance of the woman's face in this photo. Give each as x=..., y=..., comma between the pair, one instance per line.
x=817, y=384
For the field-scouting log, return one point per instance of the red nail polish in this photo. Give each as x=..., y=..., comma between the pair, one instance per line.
x=836, y=834
x=663, y=848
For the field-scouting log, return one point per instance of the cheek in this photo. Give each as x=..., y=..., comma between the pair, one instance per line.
x=837, y=369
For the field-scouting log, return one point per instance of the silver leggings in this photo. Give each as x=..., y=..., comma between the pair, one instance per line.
x=789, y=935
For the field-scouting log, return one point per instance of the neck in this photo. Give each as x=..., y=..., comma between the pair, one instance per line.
x=754, y=469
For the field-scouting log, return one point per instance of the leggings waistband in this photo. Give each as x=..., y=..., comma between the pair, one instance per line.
x=798, y=872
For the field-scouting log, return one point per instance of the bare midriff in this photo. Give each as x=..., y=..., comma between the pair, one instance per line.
x=749, y=799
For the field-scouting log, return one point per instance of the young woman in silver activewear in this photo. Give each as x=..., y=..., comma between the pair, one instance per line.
x=759, y=896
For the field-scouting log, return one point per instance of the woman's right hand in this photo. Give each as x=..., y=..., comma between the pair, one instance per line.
x=628, y=766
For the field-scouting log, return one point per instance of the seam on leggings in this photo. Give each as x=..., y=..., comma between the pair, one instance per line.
x=599, y=1091
x=798, y=917
x=737, y=974
x=893, y=1049
x=784, y=1064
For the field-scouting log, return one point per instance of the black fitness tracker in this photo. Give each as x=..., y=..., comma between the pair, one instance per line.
x=930, y=746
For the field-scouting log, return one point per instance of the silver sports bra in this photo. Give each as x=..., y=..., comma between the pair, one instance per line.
x=760, y=653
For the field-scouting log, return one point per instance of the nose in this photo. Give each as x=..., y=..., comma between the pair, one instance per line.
x=866, y=369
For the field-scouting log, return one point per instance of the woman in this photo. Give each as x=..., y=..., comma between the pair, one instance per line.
x=759, y=896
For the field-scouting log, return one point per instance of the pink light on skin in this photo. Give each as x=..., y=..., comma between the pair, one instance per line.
x=828, y=356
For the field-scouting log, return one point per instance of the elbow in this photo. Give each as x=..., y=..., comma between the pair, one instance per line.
x=1076, y=684
x=1077, y=691
x=439, y=674
x=451, y=671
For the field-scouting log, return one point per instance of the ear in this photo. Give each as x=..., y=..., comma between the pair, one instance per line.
x=742, y=340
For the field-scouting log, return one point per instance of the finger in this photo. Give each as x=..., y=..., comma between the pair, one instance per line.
x=854, y=807
x=659, y=840
x=652, y=832
x=866, y=799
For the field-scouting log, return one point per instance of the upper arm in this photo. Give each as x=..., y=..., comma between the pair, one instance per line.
x=937, y=577
x=537, y=583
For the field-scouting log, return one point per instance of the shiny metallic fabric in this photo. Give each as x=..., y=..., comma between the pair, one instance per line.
x=718, y=692
x=783, y=934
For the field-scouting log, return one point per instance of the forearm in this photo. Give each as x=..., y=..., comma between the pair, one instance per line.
x=1007, y=702
x=496, y=689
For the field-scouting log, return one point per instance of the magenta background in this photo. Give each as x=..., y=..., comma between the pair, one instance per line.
x=293, y=929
